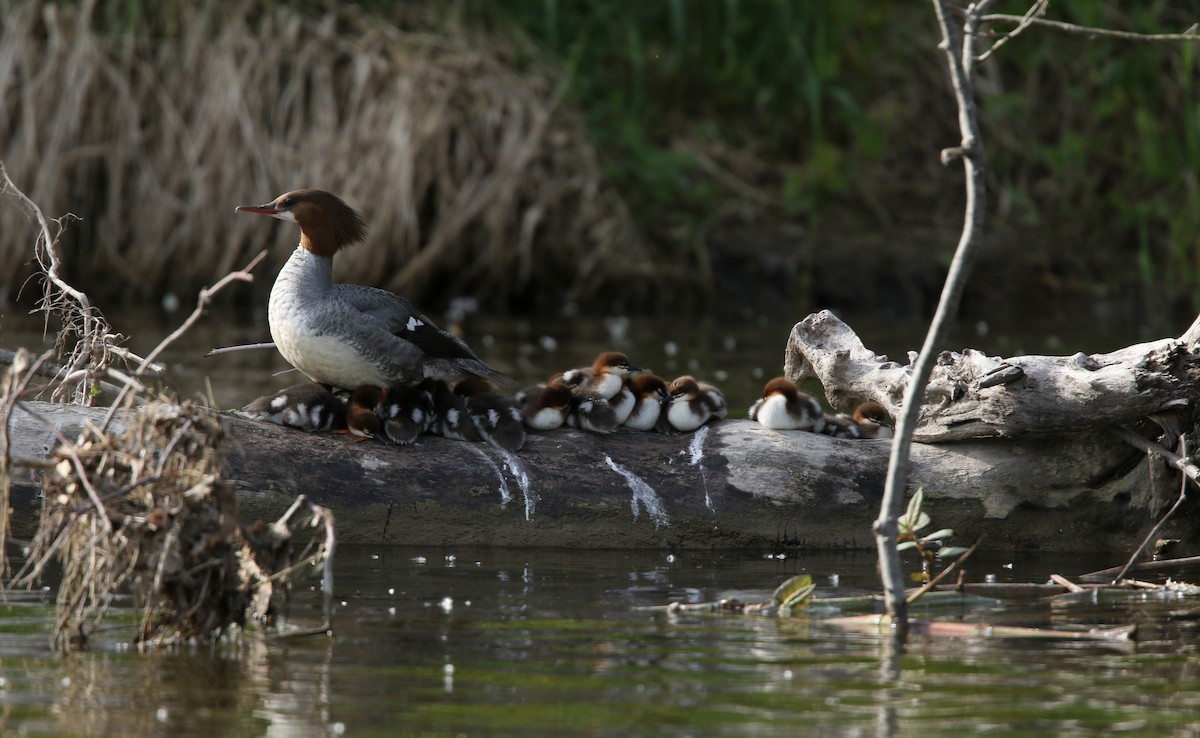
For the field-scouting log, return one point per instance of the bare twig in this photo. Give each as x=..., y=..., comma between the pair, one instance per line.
x=960, y=58
x=202, y=301
x=1037, y=10
x=944, y=572
x=1189, y=35
x=1181, y=462
x=241, y=347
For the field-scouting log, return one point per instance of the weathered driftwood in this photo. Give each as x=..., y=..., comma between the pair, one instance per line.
x=732, y=484
x=972, y=395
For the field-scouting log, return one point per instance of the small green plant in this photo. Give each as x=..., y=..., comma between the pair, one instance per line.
x=929, y=546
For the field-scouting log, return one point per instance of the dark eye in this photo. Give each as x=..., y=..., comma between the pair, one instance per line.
x=288, y=202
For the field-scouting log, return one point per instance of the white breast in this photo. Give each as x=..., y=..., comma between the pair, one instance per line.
x=773, y=413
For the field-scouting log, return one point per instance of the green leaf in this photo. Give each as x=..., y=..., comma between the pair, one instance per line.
x=937, y=535
x=951, y=552
x=906, y=545
x=794, y=591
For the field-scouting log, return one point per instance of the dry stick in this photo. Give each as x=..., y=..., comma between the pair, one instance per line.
x=1189, y=35
x=241, y=347
x=961, y=65
x=942, y=574
x=206, y=295
x=1037, y=10
x=1179, y=462
x=1188, y=562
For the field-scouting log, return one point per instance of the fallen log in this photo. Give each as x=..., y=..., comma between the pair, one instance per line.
x=972, y=395
x=731, y=484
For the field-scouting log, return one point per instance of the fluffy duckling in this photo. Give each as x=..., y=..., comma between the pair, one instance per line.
x=693, y=404
x=590, y=412
x=873, y=420
x=784, y=407
x=545, y=406
x=650, y=394
x=451, y=418
x=406, y=412
x=308, y=406
x=361, y=421
x=496, y=417
x=604, y=377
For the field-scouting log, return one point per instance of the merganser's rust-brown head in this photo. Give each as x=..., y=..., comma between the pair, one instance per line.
x=782, y=386
x=327, y=225
x=614, y=362
x=646, y=385
x=685, y=386
x=874, y=413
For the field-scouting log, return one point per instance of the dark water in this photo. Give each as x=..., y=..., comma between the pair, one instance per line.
x=446, y=642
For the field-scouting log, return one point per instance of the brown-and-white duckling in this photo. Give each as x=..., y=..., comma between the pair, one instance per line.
x=604, y=377
x=693, y=403
x=590, y=412
x=545, y=406
x=650, y=394
x=873, y=420
x=865, y=422
x=361, y=421
x=784, y=407
x=308, y=406
x=496, y=416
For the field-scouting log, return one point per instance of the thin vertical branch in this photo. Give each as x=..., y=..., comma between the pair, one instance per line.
x=960, y=58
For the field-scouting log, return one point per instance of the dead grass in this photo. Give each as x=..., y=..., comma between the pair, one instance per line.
x=473, y=176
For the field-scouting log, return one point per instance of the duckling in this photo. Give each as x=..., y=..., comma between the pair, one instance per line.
x=308, y=406
x=784, y=407
x=545, y=406
x=693, y=404
x=604, y=377
x=650, y=394
x=496, y=417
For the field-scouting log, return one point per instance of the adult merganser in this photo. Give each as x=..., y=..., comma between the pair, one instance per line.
x=406, y=413
x=649, y=392
x=604, y=377
x=784, y=407
x=361, y=421
x=348, y=335
x=545, y=406
x=307, y=406
x=693, y=404
x=873, y=420
x=496, y=417
x=451, y=418
x=590, y=412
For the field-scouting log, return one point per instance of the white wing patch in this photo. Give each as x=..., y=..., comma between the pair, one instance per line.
x=414, y=323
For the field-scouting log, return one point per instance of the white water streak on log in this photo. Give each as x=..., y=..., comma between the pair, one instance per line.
x=517, y=469
x=642, y=493
x=505, y=495
x=696, y=449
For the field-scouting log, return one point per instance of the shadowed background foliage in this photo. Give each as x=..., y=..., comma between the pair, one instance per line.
x=631, y=155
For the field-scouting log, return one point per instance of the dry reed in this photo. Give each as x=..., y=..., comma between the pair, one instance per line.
x=473, y=176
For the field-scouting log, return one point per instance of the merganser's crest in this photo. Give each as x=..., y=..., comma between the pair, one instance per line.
x=349, y=335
